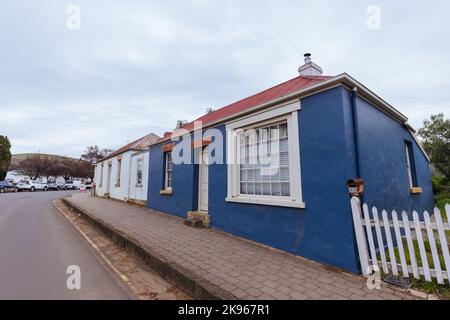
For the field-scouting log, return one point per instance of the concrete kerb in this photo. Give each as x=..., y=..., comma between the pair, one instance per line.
x=187, y=280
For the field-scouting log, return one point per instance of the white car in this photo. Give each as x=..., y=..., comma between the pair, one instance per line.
x=70, y=185
x=32, y=186
x=87, y=185
x=77, y=184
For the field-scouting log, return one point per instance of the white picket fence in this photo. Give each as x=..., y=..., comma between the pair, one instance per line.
x=373, y=231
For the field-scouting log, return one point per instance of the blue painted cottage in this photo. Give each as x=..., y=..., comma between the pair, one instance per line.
x=274, y=167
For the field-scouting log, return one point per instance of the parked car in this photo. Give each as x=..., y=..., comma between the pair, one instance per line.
x=70, y=185
x=32, y=186
x=54, y=185
x=5, y=186
x=77, y=184
x=87, y=185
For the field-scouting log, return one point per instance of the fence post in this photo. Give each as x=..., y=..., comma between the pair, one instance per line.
x=360, y=236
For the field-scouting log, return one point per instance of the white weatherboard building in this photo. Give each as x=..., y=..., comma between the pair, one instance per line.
x=123, y=174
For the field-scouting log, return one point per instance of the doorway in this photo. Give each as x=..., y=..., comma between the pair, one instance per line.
x=203, y=176
x=108, y=183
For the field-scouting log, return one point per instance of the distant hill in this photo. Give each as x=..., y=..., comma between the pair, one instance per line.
x=37, y=165
x=23, y=156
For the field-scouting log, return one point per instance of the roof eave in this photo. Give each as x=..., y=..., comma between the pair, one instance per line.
x=370, y=96
x=118, y=154
x=387, y=108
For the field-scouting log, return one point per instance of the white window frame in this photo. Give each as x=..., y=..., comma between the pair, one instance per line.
x=102, y=167
x=166, y=175
x=118, y=172
x=408, y=165
x=139, y=162
x=288, y=112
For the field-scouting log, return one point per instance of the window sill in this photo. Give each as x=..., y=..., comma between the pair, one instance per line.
x=268, y=202
x=416, y=190
x=166, y=192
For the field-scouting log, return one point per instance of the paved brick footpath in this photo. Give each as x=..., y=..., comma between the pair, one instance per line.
x=244, y=269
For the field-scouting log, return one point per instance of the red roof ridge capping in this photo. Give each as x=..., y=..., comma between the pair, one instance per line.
x=267, y=95
x=138, y=145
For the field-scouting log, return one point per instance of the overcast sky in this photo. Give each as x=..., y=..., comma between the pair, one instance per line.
x=135, y=67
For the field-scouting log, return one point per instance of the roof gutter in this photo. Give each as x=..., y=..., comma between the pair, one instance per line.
x=376, y=100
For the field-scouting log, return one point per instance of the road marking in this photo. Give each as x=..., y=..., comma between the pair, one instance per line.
x=96, y=248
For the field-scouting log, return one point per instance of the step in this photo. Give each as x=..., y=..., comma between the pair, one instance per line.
x=200, y=215
x=195, y=223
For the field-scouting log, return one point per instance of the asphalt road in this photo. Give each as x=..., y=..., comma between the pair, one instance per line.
x=37, y=245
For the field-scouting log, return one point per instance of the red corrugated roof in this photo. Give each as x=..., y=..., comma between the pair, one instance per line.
x=273, y=93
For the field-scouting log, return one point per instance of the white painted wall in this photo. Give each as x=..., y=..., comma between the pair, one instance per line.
x=97, y=176
x=115, y=191
x=128, y=188
x=139, y=192
x=120, y=192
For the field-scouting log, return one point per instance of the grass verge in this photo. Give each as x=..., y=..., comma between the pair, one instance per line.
x=421, y=284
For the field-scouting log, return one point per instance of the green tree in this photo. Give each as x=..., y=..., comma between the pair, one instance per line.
x=436, y=141
x=5, y=156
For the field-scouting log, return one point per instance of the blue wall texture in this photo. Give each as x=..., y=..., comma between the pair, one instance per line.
x=323, y=231
x=184, y=185
x=383, y=163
